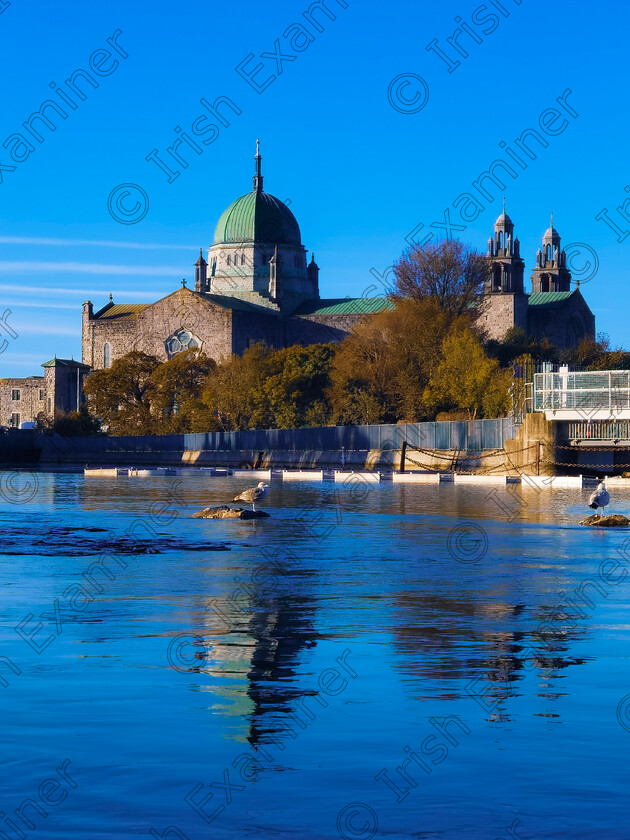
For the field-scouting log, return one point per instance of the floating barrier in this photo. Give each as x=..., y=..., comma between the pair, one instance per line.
x=541, y=482
x=155, y=472
x=259, y=474
x=552, y=482
x=487, y=479
x=302, y=475
x=416, y=478
x=357, y=475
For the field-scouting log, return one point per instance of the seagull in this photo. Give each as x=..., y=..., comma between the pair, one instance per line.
x=600, y=497
x=253, y=495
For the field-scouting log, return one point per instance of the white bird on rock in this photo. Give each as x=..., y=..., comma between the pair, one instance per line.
x=600, y=498
x=253, y=495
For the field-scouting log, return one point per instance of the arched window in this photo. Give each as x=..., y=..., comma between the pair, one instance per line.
x=180, y=340
x=242, y=259
x=107, y=360
x=229, y=259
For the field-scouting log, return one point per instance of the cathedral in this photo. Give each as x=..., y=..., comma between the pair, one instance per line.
x=553, y=310
x=255, y=285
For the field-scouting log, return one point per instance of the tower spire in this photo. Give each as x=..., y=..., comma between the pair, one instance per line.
x=504, y=205
x=551, y=223
x=258, y=178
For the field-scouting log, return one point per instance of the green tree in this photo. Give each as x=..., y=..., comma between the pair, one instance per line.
x=119, y=396
x=176, y=389
x=295, y=385
x=467, y=378
x=381, y=371
x=266, y=388
x=233, y=391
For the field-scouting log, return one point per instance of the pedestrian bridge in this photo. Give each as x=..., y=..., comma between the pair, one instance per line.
x=594, y=404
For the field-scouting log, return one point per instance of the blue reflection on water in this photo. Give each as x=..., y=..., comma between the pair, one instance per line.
x=335, y=670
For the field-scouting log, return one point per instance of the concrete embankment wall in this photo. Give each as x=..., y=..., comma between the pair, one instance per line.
x=483, y=446
x=358, y=447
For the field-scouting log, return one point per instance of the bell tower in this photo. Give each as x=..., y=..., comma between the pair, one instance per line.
x=504, y=253
x=504, y=303
x=551, y=273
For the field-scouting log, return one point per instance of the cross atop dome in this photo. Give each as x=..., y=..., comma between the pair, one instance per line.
x=551, y=235
x=258, y=178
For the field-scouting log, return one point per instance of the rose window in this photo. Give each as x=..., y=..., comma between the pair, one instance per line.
x=181, y=340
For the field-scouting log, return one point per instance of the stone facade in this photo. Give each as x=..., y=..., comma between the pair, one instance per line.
x=553, y=310
x=21, y=400
x=31, y=398
x=255, y=285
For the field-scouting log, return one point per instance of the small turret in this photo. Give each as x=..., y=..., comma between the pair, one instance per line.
x=551, y=273
x=313, y=276
x=504, y=252
x=201, y=274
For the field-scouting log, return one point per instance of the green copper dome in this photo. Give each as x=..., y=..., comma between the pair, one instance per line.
x=258, y=217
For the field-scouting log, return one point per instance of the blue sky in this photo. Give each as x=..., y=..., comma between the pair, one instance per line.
x=360, y=174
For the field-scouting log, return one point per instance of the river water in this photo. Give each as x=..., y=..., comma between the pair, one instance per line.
x=370, y=661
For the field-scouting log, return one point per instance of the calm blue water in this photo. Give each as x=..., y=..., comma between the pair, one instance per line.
x=277, y=672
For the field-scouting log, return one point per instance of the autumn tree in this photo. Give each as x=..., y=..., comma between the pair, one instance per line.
x=119, y=396
x=380, y=372
x=295, y=385
x=467, y=378
x=448, y=271
x=233, y=393
x=176, y=390
x=267, y=388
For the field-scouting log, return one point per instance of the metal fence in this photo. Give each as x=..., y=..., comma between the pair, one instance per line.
x=582, y=391
x=607, y=430
x=468, y=436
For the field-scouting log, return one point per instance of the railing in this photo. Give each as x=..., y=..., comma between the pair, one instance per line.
x=586, y=391
x=466, y=436
x=609, y=430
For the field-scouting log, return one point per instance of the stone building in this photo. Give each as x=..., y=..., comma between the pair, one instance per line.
x=255, y=285
x=553, y=310
x=59, y=390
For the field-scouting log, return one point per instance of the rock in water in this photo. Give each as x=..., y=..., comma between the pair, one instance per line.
x=225, y=512
x=614, y=520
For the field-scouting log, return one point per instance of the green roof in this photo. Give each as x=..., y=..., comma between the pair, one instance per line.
x=121, y=310
x=550, y=299
x=344, y=306
x=63, y=363
x=257, y=217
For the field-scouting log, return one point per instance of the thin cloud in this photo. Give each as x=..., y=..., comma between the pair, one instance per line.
x=101, y=243
x=37, y=305
x=42, y=329
x=94, y=268
x=86, y=293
